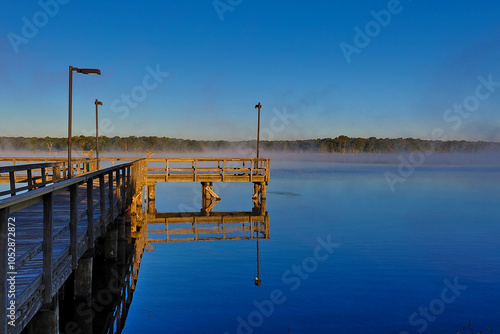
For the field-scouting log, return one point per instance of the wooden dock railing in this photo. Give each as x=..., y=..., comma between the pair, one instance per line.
x=46, y=248
x=41, y=174
x=209, y=170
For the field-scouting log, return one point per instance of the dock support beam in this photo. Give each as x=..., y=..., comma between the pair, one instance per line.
x=208, y=197
x=46, y=320
x=111, y=243
x=83, y=277
x=151, y=198
x=259, y=191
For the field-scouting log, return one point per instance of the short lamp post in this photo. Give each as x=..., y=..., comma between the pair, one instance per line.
x=97, y=103
x=70, y=106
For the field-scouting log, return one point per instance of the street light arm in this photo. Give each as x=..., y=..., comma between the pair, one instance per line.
x=94, y=71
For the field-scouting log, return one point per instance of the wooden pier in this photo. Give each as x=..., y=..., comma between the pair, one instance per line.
x=46, y=231
x=52, y=217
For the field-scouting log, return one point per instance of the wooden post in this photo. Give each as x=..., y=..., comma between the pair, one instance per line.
x=4, y=219
x=118, y=189
x=12, y=177
x=46, y=320
x=73, y=214
x=110, y=197
x=166, y=170
x=30, y=179
x=102, y=203
x=195, y=167
x=129, y=186
x=151, y=198
x=83, y=278
x=124, y=189
x=90, y=213
x=44, y=177
x=111, y=244
x=56, y=171
x=47, y=247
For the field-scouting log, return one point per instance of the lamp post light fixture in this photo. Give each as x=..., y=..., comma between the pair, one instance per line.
x=258, y=106
x=70, y=106
x=97, y=103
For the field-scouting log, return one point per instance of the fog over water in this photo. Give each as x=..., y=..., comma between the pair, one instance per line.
x=416, y=158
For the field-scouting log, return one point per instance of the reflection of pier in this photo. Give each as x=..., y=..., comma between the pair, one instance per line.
x=194, y=226
x=113, y=287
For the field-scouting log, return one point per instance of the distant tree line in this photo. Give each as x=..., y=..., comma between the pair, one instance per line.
x=340, y=144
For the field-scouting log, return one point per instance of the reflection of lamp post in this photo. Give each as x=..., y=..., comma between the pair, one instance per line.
x=257, y=280
x=70, y=106
x=258, y=106
x=97, y=103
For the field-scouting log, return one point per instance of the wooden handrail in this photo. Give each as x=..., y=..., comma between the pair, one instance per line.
x=255, y=170
x=126, y=185
x=47, y=173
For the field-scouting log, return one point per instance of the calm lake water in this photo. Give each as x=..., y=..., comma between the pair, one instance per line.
x=345, y=255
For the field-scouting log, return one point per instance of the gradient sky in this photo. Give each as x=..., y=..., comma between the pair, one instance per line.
x=221, y=62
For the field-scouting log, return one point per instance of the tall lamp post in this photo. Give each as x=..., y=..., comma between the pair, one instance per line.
x=258, y=106
x=97, y=103
x=70, y=106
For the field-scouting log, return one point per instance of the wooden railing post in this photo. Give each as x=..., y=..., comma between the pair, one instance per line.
x=124, y=187
x=12, y=177
x=44, y=177
x=73, y=218
x=90, y=213
x=166, y=170
x=110, y=196
x=55, y=176
x=102, y=203
x=195, y=169
x=30, y=179
x=129, y=186
x=118, y=189
x=223, y=169
x=47, y=246
x=4, y=219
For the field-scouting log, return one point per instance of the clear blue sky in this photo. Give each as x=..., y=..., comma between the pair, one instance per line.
x=221, y=61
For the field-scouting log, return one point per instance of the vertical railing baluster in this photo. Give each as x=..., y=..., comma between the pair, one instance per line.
x=118, y=189
x=110, y=196
x=44, y=177
x=129, y=186
x=47, y=246
x=124, y=188
x=102, y=202
x=73, y=220
x=12, y=177
x=30, y=179
x=90, y=213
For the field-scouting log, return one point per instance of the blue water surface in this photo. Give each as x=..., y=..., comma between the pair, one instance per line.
x=420, y=258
